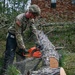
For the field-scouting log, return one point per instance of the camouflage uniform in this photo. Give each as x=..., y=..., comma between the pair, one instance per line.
x=18, y=30
x=15, y=39
x=15, y=34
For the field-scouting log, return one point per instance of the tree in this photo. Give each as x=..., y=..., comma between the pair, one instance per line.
x=9, y=6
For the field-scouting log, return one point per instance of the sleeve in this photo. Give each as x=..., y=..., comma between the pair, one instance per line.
x=19, y=36
x=35, y=32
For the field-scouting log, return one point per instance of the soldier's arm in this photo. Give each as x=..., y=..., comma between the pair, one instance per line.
x=19, y=36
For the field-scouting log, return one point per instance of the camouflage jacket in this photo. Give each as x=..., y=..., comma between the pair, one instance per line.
x=18, y=30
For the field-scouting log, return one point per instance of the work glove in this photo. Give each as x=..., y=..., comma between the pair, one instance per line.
x=22, y=52
x=39, y=46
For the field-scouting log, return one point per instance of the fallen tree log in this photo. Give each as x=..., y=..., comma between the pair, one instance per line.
x=50, y=56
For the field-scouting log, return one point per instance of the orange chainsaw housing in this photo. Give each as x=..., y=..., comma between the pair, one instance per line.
x=34, y=52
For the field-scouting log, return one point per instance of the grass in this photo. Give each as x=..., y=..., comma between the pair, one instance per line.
x=13, y=71
x=69, y=63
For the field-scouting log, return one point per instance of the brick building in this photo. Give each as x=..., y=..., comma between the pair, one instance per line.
x=64, y=9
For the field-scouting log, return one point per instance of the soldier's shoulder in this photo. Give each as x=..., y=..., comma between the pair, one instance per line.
x=20, y=16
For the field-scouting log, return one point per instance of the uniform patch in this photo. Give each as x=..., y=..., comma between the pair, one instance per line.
x=12, y=36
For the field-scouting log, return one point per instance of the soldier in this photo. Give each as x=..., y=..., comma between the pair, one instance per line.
x=15, y=34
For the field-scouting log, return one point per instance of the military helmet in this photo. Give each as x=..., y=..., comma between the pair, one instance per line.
x=35, y=9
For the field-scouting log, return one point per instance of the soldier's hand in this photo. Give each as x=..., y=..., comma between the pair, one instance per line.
x=25, y=51
x=22, y=52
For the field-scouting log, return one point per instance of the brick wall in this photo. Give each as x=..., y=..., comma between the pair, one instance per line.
x=64, y=9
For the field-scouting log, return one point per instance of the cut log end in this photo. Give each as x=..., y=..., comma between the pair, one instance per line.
x=54, y=63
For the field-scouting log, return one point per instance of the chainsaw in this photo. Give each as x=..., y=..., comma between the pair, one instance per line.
x=32, y=52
